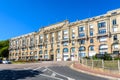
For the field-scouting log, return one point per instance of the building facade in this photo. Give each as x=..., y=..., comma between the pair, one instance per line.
x=65, y=40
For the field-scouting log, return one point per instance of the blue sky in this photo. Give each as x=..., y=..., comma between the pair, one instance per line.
x=18, y=17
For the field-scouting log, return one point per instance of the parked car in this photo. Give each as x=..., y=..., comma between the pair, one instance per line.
x=6, y=62
x=0, y=61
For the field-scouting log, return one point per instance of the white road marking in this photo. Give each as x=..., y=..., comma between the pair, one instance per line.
x=60, y=74
x=28, y=68
x=44, y=70
x=37, y=68
x=53, y=74
x=51, y=77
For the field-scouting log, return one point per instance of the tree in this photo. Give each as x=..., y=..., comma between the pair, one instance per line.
x=4, y=45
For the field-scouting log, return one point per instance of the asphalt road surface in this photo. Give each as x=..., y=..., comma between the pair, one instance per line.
x=42, y=71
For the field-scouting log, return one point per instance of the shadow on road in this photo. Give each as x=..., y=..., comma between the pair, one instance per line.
x=17, y=74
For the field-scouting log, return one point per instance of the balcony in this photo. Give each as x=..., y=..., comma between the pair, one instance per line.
x=31, y=45
x=115, y=49
x=115, y=25
x=82, y=37
x=41, y=43
x=64, y=40
x=115, y=32
x=103, y=34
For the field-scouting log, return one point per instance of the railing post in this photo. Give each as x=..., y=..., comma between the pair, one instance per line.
x=103, y=64
x=82, y=61
x=119, y=66
x=86, y=62
x=92, y=64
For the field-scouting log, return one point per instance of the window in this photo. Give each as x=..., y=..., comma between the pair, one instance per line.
x=81, y=41
x=65, y=50
x=82, y=48
x=58, y=50
x=103, y=31
x=46, y=45
x=91, y=48
x=81, y=34
x=101, y=24
x=102, y=39
x=52, y=39
x=115, y=29
x=114, y=22
x=65, y=43
x=58, y=44
x=91, y=41
x=52, y=34
x=73, y=36
x=46, y=56
x=65, y=32
x=30, y=53
x=73, y=42
x=91, y=33
x=41, y=36
x=81, y=29
x=72, y=49
x=52, y=45
x=103, y=47
x=115, y=46
x=91, y=26
x=65, y=35
x=65, y=38
x=73, y=30
x=115, y=37
x=46, y=52
x=41, y=46
x=40, y=52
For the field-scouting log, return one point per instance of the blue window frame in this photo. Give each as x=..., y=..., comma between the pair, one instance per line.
x=81, y=29
x=82, y=48
x=65, y=50
x=58, y=50
x=91, y=41
x=102, y=31
x=102, y=24
x=91, y=48
x=82, y=41
x=73, y=49
x=81, y=34
x=40, y=52
x=114, y=22
x=91, y=33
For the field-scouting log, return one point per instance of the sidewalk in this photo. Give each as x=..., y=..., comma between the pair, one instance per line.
x=96, y=72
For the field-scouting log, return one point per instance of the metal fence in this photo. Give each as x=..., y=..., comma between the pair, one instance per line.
x=113, y=65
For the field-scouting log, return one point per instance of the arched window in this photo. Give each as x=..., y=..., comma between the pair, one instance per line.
x=91, y=48
x=103, y=49
x=65, y=50
x=73, y=49
x=82, y=48
x=115, y=46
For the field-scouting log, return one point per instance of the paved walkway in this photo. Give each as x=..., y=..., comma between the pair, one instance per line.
x=96, y=72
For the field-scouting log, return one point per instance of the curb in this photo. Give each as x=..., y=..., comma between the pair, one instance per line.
x=94, y=74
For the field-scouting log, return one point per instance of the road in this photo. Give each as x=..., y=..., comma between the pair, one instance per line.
x=42, y=71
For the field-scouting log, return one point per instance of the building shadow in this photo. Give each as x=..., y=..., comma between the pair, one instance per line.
x=18, y=74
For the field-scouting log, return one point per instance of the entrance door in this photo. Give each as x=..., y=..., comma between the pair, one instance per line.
x=52, y=57
x=72, y=56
